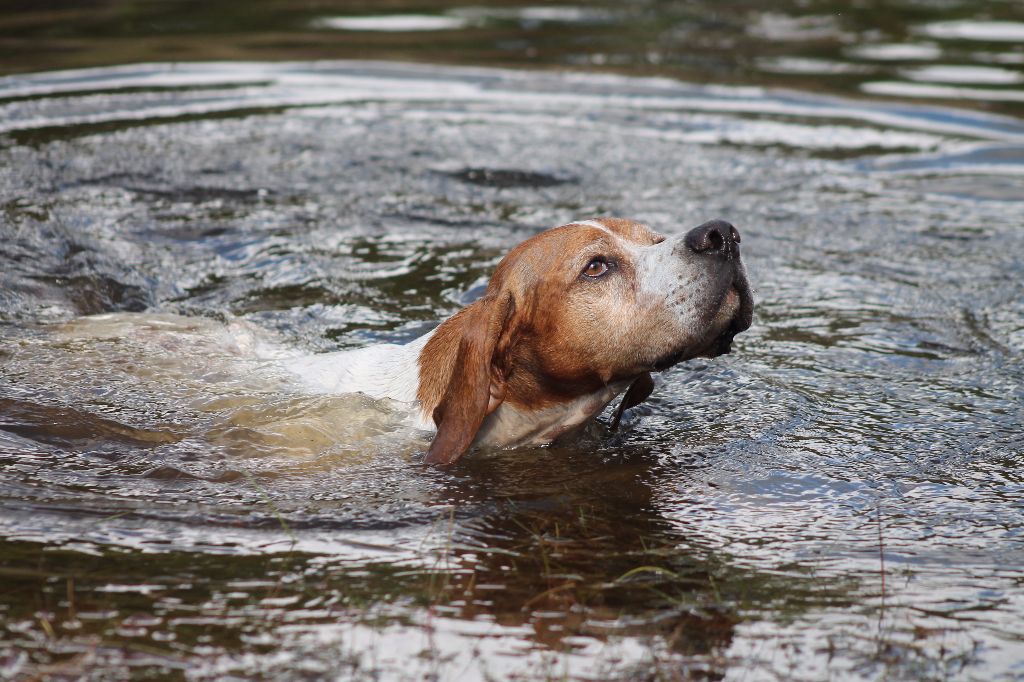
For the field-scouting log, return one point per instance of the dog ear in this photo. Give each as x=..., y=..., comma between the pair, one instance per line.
x=637, y=392
x=477, y=382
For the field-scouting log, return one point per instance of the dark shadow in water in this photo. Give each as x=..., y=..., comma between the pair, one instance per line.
x=498, y=177
x=561, y=542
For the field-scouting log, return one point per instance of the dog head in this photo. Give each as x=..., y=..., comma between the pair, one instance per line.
x=576, y=308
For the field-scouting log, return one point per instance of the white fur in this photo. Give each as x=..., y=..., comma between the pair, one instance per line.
x=383, y=371
x=512, y=427
x=593, y=223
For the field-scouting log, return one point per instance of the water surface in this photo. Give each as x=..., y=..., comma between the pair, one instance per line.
x=840, y=497
x=969, y=52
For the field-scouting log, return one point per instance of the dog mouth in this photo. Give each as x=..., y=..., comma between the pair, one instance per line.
x=723, y=344
x=739, y=322
x=737, y=300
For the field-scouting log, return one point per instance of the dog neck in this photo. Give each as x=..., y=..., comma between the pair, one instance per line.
x=401, y=372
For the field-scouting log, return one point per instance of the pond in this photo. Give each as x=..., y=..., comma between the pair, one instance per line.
x=842, y=496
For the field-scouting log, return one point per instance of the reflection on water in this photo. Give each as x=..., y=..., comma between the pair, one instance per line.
x=835, y=46
x=839, y=498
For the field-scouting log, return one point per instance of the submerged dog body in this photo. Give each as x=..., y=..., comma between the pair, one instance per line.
x=571, y=318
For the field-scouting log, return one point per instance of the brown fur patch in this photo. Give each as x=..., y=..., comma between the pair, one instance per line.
x=542, y=334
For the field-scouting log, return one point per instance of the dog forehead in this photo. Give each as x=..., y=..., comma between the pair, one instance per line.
x=552, y=249
x=630, y=230
x=546, y=254
x=577, y=235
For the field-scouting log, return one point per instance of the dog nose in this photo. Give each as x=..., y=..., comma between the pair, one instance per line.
x=714, y=236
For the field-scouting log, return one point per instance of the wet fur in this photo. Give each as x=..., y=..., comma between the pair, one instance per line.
x=545, y=349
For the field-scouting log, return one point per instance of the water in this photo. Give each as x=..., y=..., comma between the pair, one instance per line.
x=962, y=51
x=840, y=497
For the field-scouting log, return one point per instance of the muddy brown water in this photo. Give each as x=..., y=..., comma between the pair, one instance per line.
x=841, y=497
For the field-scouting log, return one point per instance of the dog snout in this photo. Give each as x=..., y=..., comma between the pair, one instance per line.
x=715, y=237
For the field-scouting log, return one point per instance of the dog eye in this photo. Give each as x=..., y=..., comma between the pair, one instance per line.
x=596, y=267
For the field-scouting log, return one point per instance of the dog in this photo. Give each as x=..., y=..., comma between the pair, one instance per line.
x=571, y=318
